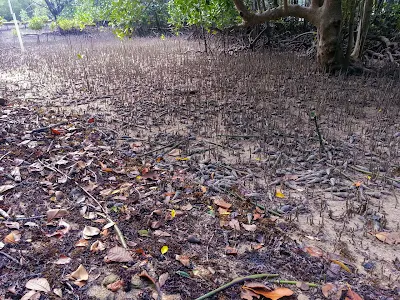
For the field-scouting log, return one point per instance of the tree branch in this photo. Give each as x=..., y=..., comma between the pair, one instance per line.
x=250, y=18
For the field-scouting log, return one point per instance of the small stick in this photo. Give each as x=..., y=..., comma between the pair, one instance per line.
x=42, y=129
x=321, y=143
x=310, y=284
x=1, y=158
x=235, y=281
x=10, y=257
x=117, y=230
x=162, y=148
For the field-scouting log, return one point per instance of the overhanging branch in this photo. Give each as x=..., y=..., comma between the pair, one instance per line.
x=250, y=18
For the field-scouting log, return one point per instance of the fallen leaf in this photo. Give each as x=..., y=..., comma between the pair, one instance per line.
x=147, y=276
x=97, y=246
x=12, y=225
x=38, y=284
x=276, y=294
x=390, y=238
x=90, y=231
x=163, y=279
x=329, y=289
x=342, y=265
x=351, y=295
x=175, y=152
x=5, y=188
x=251, y=227
x=12, y=238
x=82, y=243
x=221, y=202
x=118, y=254
x=187, y=207
x=183, y=259
x=31, y=295
x=234, y=224
x=248, y=294
x=314, y=251
x=164, y=249
x=56, y=214
x=279, y=194
x=63, y=260
x=115, y=286
x=160, y=233
x=58, y=292
x=80, y=274
x=231, y=251
x=143, y=232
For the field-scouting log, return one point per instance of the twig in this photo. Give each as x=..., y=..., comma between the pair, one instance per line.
x=117, y=230
x=370, y=173
x=235, y=281
x=162, y=148
x=42, y=129
x=321, y=142
x=310, y=284
x=1, y=158
x=10, y=257
x=216, y=144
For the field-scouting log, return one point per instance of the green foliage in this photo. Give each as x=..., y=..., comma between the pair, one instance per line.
x=129, y=16
x=24, y=16
x=37, y=22
x=53, y=26
x=1, y=21
x=17, y=7
x=67, y=24
x=206, y=13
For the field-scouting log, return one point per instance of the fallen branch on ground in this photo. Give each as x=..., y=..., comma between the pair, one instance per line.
x=236, y=281
x=106, y=215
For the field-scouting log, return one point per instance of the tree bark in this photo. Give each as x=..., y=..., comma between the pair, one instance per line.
x=362, y=30
x=325, y=15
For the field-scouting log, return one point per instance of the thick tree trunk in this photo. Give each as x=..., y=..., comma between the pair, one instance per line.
x=362, y=30
x=325, y=15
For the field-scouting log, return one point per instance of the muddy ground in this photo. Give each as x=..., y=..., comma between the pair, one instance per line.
x=215, y=156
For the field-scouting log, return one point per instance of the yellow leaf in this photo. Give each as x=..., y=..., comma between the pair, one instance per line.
x=342, y=265
x=173, y=213
x=279, y=194
x=164, y=249
x=369, y=177
x=182, y=158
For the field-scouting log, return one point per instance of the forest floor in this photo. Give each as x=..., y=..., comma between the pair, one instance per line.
x=209, y=165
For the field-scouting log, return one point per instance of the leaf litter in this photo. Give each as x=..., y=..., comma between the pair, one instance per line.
x=184, y=211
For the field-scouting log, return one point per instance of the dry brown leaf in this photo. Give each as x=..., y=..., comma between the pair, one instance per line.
x=314, y=251
x=231, y=251
x=13, y=237
x=221, y=202
x=252, y=227
x=329, y=289
x=56, y=214
x=351, y=295
x=183, y=259
x=248, y=294
x=163, y=279
x=63, y=260
x=82, y=243
x=187, y=207
x=115, y=286
x=161, y=233
x=31, y=295
x=390, y=238
x=38, y=284
x=276, y=294
x=79, y=275
x=156, y=224
x=118, y=254
x=90, y=231
x=97, y=246
x=234, y=224
x=146, y=275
